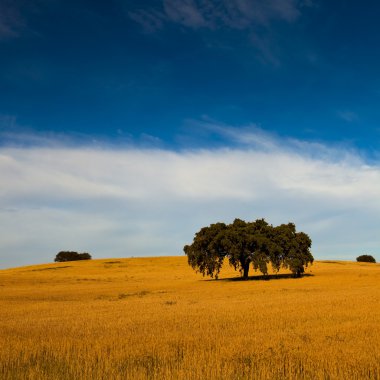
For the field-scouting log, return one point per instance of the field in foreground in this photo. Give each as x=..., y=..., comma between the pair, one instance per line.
x=154, y=318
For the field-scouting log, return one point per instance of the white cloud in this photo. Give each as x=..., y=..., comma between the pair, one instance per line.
x=131, y=202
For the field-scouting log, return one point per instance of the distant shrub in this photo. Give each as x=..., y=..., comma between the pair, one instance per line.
x=366, y=259
x=71, y=256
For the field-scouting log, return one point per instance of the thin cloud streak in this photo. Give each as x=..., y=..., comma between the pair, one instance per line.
x=254, y=17
x=144, y=202
x=11, y=21
x=348, y=116
x=209, y=14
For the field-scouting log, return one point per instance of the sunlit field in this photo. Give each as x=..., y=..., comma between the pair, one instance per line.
x=155, y=318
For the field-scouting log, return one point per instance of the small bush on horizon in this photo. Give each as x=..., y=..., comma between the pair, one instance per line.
x=71, y=256
x=365, y=259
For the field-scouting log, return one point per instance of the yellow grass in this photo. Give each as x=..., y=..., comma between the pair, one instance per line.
x=155, y=318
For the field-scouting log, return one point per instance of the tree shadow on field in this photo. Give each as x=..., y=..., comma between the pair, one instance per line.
x=268, y=277
x=54, y=268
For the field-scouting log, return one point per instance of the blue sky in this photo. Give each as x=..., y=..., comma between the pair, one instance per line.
x=125, y=126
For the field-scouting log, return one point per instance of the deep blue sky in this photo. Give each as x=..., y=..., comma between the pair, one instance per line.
x=126, y=125
x=121, y=70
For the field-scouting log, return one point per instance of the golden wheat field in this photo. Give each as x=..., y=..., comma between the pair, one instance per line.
x=154, y=318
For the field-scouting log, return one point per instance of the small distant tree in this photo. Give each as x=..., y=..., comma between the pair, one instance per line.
x=84, y=256
x=366, y=259
x=71, y=256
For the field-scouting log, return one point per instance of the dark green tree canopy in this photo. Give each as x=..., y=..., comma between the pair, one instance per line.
x=71, y=256
x=366, y=259
x=246, y=244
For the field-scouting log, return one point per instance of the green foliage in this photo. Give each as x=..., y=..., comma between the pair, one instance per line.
x=366, y=259
x=206, y=254
x=71, y=256
x=247, y=244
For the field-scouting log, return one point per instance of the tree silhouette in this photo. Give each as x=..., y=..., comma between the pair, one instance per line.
x=246, y=244
x=366, y=259
x=71, y=256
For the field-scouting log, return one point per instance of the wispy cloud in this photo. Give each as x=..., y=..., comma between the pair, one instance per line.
x=133, y=201
x=211, y=14
x=7, y=122
x=253, y=17
x=150, y=20
x=252, y=136
x=187, y=13
x=12, y=134
x=11, y=20
x=348, y=116
x=244, y=136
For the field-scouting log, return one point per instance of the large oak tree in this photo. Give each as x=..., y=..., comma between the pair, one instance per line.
x=246, y=244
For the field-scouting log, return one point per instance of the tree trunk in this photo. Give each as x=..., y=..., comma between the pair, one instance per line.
x=245, y=271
